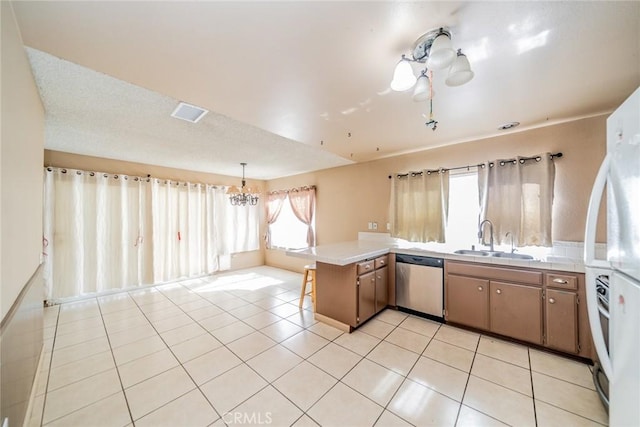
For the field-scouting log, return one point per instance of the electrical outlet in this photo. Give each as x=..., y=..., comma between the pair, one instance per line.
x=370, y=226
x=388, y=226
x=375, y=225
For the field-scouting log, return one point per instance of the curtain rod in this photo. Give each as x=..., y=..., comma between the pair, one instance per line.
x=480, y=165
x=304, y=187
x=126, y=177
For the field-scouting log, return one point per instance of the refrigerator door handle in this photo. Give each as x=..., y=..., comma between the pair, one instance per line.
x=590, y=262
x=592, y=215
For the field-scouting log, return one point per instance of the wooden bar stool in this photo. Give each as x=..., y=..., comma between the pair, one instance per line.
x=309, y=275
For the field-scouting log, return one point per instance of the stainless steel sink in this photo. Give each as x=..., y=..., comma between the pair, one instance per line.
x=511, y=255
x=472, y=252
x=492, y=254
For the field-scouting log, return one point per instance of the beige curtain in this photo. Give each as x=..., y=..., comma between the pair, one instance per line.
x=274, y=206
x=517, y=196
x=303, y=202
x=419, y=206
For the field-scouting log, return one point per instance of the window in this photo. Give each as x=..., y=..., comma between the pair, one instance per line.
x=462, y=223
x=291, y=218
x=289, y=232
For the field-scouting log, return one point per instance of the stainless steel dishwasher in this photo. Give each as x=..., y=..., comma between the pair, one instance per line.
x=419, y=285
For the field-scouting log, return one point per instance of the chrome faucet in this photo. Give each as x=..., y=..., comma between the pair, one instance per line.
x=510, y=234
x=481, y=233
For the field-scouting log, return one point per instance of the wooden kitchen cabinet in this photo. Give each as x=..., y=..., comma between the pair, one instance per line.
x=382, y=283
x=467, y=301
x=366, y=288
x=531, y=305
x=563, y=311
x=516, y=311
x=353, y=293
x=561, y=319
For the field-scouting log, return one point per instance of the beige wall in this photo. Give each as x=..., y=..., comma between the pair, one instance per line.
x=76, y=161
x=22, y=145
x=21, y=289
x=351, y=196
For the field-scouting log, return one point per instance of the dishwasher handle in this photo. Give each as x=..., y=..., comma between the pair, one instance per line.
x=420, y=260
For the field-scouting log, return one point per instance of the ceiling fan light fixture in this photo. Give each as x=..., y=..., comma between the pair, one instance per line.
x=441, y=54
x=433, y=48
x=403, y=77
x=460, y=72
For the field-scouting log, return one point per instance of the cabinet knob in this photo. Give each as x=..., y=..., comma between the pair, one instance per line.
x=552, y=301
x=560, y=281
x=480, y=288
x=367, y=267
x=381, y=262
x=498, y=291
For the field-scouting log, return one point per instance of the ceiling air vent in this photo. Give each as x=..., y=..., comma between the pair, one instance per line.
x=189, y=112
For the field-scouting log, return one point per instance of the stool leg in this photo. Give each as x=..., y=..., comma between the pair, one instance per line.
x=304, y=286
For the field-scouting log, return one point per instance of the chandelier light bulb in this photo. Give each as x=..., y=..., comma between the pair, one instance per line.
x=460, y=72
x=422, y=90
x=441, y=54
x=403, y=77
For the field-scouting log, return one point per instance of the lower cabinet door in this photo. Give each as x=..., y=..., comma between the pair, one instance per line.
x=561, y=312
x=467, y=301
x=516, y=311
x=366, y=296
x=381, y=288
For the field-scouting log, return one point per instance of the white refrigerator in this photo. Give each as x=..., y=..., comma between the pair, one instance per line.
x=620, y=176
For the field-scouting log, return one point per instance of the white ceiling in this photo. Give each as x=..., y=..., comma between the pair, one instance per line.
x=299, y=86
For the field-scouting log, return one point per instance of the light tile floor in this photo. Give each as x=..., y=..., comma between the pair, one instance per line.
x=234, y=348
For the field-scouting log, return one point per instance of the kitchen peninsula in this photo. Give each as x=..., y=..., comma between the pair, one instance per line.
x=355, y=280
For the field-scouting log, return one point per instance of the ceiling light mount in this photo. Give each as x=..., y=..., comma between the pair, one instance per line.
x=244, y=195
x=508, y=126
x=422, y=46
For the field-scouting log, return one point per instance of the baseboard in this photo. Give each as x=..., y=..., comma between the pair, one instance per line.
x=332, y=322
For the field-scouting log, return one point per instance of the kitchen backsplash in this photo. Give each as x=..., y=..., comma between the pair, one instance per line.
x=561, y=251
x=575, y=250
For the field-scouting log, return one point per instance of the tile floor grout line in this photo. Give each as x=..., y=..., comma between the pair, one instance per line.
x=466, y=385
x=46, y=386
x=533, y=393
x=573, y=413
x=115, y=364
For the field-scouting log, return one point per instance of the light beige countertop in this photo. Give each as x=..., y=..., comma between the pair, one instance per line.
x=358, y=250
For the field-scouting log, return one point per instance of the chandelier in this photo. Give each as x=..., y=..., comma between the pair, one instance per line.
x=244, y=195
x=433, y=49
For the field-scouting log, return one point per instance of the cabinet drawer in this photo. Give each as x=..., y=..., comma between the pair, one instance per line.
x=562, y=281
x=531, y=277
x=365, y=267
x=380, y=262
